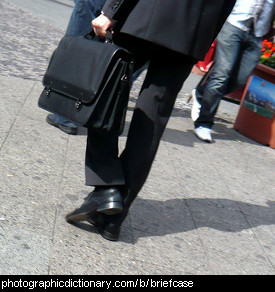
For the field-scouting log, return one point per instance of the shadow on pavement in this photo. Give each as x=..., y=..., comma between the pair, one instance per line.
x=159, y=218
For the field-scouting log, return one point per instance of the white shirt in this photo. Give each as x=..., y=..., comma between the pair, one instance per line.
x=258, y=12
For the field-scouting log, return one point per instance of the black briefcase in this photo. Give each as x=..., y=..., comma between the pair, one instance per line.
x=88, y=83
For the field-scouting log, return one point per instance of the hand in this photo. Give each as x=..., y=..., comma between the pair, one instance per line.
x=101, y=24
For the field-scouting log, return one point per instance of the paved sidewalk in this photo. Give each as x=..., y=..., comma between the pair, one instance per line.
x=205, y=208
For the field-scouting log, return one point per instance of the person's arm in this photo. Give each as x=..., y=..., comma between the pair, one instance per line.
x=117, y=9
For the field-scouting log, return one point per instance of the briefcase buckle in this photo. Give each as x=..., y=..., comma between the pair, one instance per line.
x=124, y=78
x=78, y=104
x=48, y=92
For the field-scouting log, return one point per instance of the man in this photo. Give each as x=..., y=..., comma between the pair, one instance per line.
x=238, y=50
x=171, y=36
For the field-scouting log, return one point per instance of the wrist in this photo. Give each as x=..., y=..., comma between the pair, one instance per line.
x=102, y=13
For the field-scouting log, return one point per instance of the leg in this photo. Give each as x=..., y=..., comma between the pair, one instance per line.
x=155, y=103
x=103, y=169
x=102, y=165
x=227, y=53
x=251, y=52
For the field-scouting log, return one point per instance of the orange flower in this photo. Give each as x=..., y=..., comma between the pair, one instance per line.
x=267, y=54
x=269, y=45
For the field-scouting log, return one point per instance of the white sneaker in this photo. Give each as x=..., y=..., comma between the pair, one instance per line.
x=196, y=107
x=204, y=134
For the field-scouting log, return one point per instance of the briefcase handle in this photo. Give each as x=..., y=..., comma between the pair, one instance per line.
x=91, y=35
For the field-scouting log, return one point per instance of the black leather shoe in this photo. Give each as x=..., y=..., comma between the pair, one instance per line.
x=109, y=226
x=105, y=227
x=103, y=200
x=52, y=120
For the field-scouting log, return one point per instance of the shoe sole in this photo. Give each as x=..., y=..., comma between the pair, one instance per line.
x=110, y=208
x=204, y=140
x=61, y=127
x=104, y=233
x=108, y=235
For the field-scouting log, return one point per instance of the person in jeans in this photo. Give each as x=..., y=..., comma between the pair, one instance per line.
x=80, y=24
x=238, y=51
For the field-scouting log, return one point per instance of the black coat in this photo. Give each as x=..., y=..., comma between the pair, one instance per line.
x=185, y=26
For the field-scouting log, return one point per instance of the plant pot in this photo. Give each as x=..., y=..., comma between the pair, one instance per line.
x=256, y=118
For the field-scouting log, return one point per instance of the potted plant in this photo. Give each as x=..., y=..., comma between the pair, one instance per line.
x=268, y=53
x=266, y=67
x=256, y=116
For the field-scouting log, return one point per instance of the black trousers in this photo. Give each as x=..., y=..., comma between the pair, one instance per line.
x=166, y=73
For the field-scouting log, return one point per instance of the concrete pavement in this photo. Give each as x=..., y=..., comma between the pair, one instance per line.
x=205, y=208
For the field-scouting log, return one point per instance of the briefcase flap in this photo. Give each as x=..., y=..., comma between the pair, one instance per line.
x=79, y=66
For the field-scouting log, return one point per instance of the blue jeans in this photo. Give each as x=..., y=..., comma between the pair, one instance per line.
x=80, y=24
x=237, y=54
x=84, y=12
